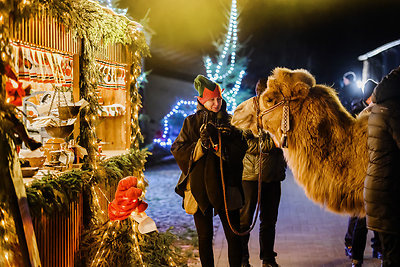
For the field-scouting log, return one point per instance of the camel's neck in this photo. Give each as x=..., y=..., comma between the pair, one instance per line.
x=322, y=155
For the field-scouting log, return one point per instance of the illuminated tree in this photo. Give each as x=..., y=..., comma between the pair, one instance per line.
x=228, y=72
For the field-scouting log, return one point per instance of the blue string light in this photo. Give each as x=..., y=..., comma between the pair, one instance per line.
x=180, y=108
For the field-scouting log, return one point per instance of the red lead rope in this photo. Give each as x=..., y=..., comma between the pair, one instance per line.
x=224, y=192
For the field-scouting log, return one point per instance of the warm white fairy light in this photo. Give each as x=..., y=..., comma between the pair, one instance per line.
x=137, y=248
x=98, y=256
x=9, y=239
x=226, y=64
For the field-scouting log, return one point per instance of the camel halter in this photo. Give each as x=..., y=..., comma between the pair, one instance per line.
x=285, y=126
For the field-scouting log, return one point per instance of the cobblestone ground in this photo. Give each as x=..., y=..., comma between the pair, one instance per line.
x=165, y=206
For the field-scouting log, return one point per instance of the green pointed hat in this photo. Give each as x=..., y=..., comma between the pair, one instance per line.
x=207, y=89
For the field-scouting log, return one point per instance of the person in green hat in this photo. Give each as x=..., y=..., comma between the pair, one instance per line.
x=197, y=152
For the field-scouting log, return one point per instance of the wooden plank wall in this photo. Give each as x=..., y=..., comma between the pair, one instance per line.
x=113, y=131
x=44, y=31
x=58, y=236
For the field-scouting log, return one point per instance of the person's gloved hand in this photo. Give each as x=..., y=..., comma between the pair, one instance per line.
x=204, y=137
x=212, y=132
x=225, y=129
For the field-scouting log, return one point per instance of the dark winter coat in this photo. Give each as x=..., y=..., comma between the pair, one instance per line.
x=204, y=174
x=273, y=164
x=382, y=183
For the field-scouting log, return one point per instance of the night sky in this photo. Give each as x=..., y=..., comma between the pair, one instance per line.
x=323, y=36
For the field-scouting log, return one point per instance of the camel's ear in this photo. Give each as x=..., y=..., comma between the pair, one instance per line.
x=300, y=90
x=302, y=82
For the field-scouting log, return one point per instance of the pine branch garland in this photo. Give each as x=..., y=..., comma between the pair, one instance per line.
x=113, y=244
x=54, y=194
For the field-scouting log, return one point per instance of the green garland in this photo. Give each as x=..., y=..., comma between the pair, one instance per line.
x=116, y=244
x=54, y=194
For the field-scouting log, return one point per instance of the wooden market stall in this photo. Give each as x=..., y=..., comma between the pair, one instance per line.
x=114, y=130
x=65, y=62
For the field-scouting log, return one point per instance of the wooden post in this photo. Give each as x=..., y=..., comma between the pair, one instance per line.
x=76, y=91
x=14, y=187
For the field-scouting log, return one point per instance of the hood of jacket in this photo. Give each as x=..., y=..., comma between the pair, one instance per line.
x=388, y=88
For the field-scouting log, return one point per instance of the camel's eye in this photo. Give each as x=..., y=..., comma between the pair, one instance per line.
x=268, y=100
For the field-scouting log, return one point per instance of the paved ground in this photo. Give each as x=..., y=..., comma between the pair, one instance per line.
x=307, y=235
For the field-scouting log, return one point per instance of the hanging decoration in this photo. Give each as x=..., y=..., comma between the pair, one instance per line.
x=126, y=200
x=113, y=75
x=228, y=71
x=42, y=65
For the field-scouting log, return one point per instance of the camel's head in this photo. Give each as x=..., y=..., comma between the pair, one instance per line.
x=292, y=85
x=283, y=84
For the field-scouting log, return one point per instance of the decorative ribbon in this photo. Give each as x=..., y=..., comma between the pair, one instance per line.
x=113, y=75
x=34, y=64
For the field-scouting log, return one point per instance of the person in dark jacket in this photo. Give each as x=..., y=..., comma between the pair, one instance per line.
x=382, y=183
x=356, y=235
x=197, y=152
x=358, y=105
x=273, y=168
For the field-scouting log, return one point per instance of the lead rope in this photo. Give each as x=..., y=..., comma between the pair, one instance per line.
x=224, y=192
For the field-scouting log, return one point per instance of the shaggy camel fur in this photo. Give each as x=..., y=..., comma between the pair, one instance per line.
x=327, y=147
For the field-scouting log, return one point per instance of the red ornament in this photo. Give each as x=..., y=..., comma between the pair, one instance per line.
x=14, y=92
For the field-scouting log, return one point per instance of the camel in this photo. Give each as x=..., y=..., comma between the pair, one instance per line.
x=326, y=146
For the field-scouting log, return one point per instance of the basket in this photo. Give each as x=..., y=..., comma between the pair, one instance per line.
x=37, y=161
x=29, y=171
x=60, y=131
x=68, y=112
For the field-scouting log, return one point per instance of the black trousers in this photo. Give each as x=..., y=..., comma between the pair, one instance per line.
x=356, y=237
x=269, y=204
x=205, y=232
x=390, y=249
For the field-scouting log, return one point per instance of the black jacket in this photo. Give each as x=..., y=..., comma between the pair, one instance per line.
x=204, y=174
x=382, y=183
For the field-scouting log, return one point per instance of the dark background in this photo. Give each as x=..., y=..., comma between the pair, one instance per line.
x=323, y=36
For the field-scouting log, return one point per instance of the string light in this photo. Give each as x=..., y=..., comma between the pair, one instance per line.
x=9, y=238
x=220, y=72
x=179, y=108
